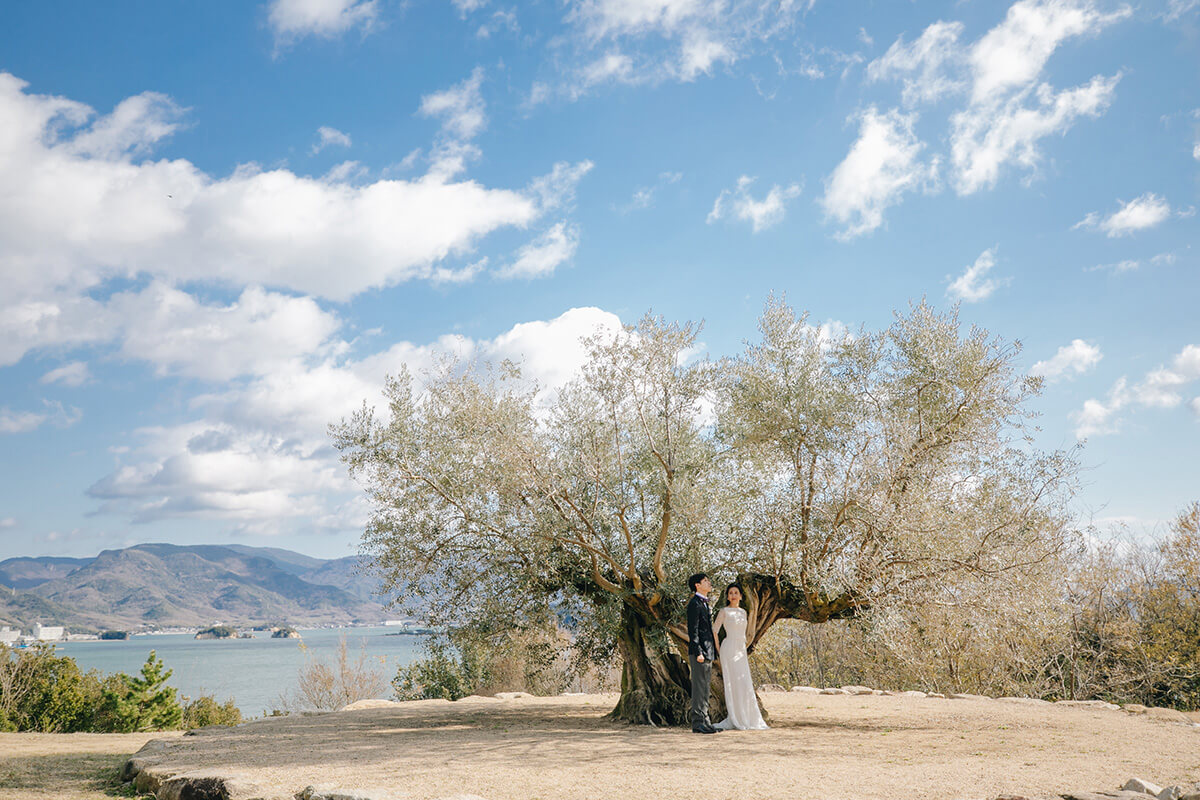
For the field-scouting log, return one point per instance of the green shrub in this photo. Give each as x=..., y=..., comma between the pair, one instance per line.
x=481, y=659
x=41, y=691
x=144, y=702
x=446, y=673
x=205, y=711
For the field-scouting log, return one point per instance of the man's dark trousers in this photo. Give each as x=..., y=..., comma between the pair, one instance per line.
x=701, y=675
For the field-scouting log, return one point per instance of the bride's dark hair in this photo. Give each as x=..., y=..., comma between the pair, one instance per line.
x=741, y=591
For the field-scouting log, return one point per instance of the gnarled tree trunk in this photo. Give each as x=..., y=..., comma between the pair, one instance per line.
x=655, y=674
x=655, y=682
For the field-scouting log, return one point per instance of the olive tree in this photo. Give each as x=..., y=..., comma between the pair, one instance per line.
x=829, y=474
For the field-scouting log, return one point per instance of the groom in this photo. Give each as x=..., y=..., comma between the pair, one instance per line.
x=702, y=650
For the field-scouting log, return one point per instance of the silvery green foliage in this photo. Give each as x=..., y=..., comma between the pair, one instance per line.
x=884, y=463
x=832, y=470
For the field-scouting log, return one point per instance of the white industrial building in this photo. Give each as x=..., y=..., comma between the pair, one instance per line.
x=9, y=636
x=48, y=633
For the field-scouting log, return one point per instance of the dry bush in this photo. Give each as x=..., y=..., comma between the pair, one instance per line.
x=968, y=637
x=1119, y=621
x=324, y=686
x=539, y=659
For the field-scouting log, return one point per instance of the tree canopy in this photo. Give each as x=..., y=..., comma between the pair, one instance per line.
x=830, y=471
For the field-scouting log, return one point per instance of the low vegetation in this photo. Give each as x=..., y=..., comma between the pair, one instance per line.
x=42, y=691
x=327, y=686
x=1124, y=626
x=475, y=659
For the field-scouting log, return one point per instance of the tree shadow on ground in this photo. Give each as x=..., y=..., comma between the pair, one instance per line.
x=529, y=733
x=65, y=776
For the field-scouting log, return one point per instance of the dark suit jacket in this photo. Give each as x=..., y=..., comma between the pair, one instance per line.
x=700, y=634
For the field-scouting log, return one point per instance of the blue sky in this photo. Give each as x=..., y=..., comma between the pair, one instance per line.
x=221, y=224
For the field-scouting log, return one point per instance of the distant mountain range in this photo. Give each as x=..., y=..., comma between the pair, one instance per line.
x=164, y=585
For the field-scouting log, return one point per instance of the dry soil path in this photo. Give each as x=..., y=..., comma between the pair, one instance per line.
x=71, y=766
x=828, y=747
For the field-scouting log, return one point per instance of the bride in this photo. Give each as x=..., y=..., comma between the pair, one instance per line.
x=740, y=700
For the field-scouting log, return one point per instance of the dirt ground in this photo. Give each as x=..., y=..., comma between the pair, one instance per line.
x=827, y=747
x=68, y=766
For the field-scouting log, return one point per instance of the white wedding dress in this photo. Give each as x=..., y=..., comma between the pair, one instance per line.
x=740, y=700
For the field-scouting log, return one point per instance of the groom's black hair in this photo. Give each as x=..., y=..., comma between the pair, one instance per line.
x=694, y=581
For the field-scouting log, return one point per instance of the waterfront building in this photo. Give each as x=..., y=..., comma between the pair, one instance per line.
x=48, y=633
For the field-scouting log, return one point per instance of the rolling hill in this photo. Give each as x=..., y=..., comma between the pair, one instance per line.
x=163, y=585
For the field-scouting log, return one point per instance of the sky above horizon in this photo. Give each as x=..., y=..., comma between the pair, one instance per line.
x=222, y=224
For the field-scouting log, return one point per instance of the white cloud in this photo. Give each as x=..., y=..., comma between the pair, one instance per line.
x=1008, y=109
x=259, y=455
x=881, y=166
x=1073, y=359
x=1160, y=388
x=466, y=7
x=345, y=172
x=986, y=138
x=557, y=189
x=699, y=53
x=738, y=203
x=1132, y=264
x=1010, y=112
x=605, y=17
x=1096, y=417
x=444, y=275
x=501, y=19
x=974, y=285
x=327, y=136
x=177, y=334
x=649, y=41
x=1195, y=404
x=460, y=108
x=8, y=522
x=132, y=128
x=294, y=19
x=463, y=115
x=1012, y=55
x=217, y=471
x=50, y=320
x=1177, y=8
x=81, y=219
x=74, y=373
x=254, y=335
x=19, y=421
x=643, y=196
x=24, y=421
x=928, y=65
x=1138, y=214
x=544, y=254
x=612, y=67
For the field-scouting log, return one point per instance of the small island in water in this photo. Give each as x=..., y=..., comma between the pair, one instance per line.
x=285, y=632
x=217, y=632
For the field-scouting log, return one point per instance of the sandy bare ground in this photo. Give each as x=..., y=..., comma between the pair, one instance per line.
x=72, y=766
x=826, y=747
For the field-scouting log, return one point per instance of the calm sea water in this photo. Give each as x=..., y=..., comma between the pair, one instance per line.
x=254, y=672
